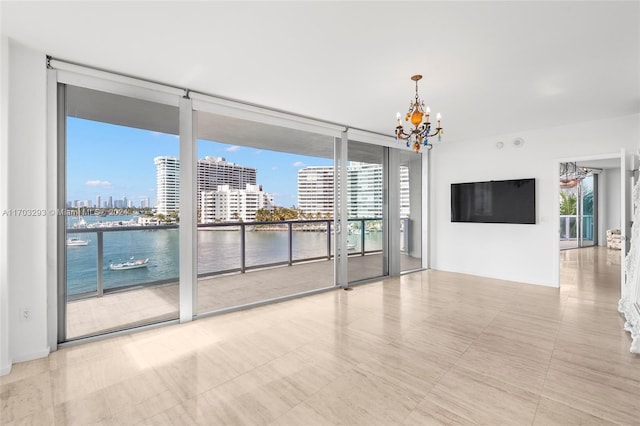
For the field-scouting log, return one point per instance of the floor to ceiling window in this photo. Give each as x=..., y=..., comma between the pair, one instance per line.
x=366, y=211
x=120, y=254
x=265, y=212
x=578, y=206
x=178, y=206
x=410, y=174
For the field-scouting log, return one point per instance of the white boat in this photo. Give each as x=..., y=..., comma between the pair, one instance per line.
x=76, y=242
x=351, y=246
x=130, y=264
x=81, y=223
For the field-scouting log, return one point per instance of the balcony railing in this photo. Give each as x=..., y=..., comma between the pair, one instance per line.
x=569, y=227
x=239, y=253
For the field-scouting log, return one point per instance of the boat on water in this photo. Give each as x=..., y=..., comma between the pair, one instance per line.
x=76, y=242
x=130, y=264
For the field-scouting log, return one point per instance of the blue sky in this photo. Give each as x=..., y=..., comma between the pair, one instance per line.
x=109, y=160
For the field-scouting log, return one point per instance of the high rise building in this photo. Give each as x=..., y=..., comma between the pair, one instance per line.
x=212, y=172
x=98, y=203
x=168, y=184
x=227, y=204
x=315, y=190
x=216, y=171
x=405, y=197
x=364, y=192
x=110, y=205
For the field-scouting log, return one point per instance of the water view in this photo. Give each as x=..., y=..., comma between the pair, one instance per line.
x=218, y=250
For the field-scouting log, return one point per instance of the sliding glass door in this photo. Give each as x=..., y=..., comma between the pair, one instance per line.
x=587, y=211
x=410, y=175
x=272, y=206
x=366, y=211
x=120, y=255
x=579, y=212
x=265, y=197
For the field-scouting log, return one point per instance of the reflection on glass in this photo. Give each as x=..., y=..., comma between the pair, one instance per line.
x=410, y=211
x=365, y=205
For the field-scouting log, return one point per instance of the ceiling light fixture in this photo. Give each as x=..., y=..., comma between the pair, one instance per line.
x=418, y=116
x=571, y=174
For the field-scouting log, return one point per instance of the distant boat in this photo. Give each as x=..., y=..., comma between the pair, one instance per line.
x=351, y=246
x=76, y=242
x=130, y=264
x=81, y=223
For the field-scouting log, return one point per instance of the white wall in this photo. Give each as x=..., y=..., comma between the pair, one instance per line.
x=26, y=236
x=5, y=358
x=611, y=201
x=524, y=253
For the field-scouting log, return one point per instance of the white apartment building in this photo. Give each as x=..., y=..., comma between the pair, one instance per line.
x=212, y=172
x=364, y=191
x=227, y=204
x=364, y=194
x=167, y=184
x=315, y=190
x=405, y=207
x=216, y=171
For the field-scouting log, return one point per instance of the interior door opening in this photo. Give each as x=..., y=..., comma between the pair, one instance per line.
x=592, y=206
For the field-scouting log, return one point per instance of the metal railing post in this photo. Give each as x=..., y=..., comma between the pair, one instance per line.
x=329, y=240
x=290, y=230
x=100, y=265
x=362, y=236
x=243, y=258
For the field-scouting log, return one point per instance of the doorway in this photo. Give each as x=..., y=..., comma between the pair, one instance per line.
x=579, y=195
x=601, y=205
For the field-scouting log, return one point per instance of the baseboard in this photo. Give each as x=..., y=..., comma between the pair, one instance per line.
x=34, y=355
x=4, y=370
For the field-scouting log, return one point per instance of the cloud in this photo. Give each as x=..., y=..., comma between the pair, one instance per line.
x=275, y=168
x=233, y=148
x=97, y=182
x=257, y=151
x=298, y=164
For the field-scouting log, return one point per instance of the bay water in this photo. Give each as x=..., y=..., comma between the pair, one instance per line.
x=218, y=250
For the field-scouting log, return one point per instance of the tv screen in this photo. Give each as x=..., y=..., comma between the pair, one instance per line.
x=498, y=201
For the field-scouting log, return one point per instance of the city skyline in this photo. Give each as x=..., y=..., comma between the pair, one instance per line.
x=110, y=160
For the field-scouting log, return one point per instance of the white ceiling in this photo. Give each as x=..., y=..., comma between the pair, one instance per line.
x=489, y=67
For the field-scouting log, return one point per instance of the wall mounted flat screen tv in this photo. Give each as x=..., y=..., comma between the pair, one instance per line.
x=496, y=201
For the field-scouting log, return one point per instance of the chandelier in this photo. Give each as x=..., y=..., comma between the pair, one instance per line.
x=418, y=116
x=571, y=174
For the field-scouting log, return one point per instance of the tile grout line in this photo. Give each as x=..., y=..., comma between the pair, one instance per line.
x=555, y=342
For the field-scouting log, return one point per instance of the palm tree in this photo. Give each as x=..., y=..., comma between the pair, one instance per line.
x=568, y=204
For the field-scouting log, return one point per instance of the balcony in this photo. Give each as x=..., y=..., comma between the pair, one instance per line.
x=239, y=264
x=571, y=226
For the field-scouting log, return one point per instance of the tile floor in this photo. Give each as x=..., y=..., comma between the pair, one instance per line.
x=152, y=304
x=426, y=348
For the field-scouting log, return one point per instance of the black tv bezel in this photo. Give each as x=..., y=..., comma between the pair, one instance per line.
x=534, y=222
